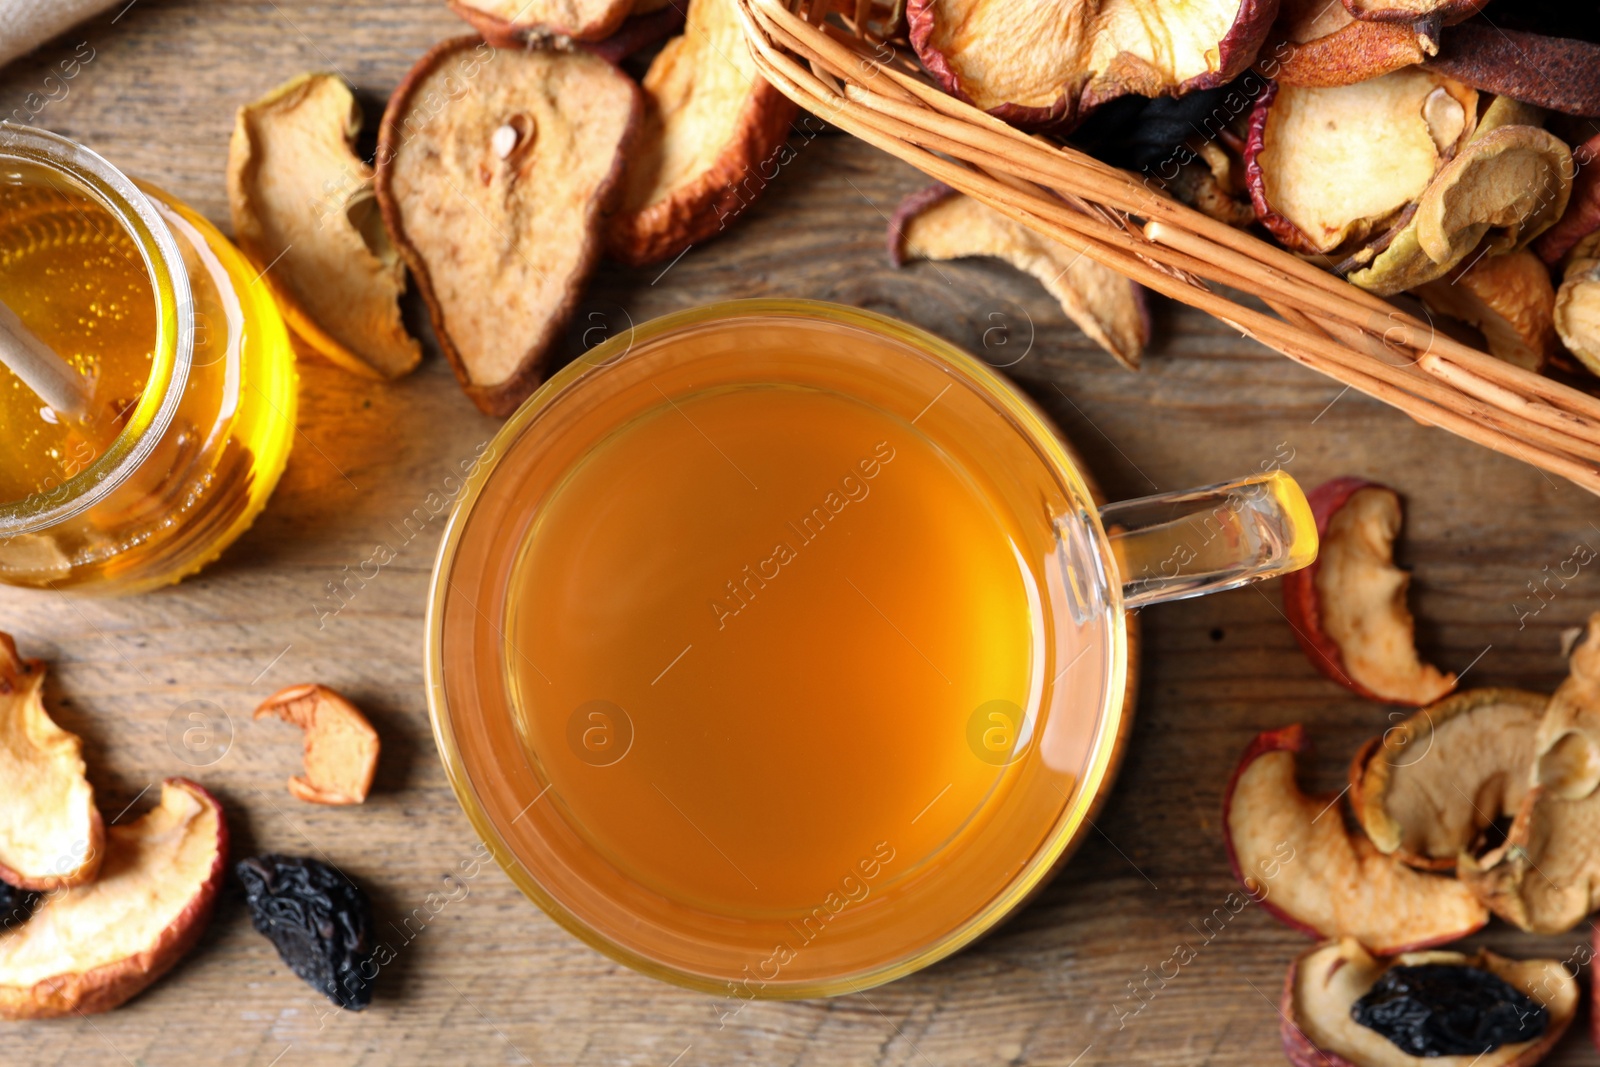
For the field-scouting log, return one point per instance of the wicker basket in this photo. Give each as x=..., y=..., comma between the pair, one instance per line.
x=843, y=70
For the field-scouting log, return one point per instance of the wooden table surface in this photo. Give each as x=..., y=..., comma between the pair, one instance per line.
x=486, y=978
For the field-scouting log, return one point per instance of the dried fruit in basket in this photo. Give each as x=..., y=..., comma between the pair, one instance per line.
x=711, y=141
x=1559, y=73
x=496, y=197
x=1509, y=184
x=1294, y=855
x=939, y=223
x=92, y=947
x=1348, y=609
x=1509, y=299
x=1332, y=171
x=1577, y=311
x=51, y=835
x=1546, y=876
x=1039, y=64
x=1431, y=786
x=341, y=750
x=319, y=921
x=1342, y=1007
x=303, y=209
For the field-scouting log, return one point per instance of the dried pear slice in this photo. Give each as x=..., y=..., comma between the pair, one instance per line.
x=710, y=141
x=1040, y=63
x=303, y=209
x=1509, y=299
x=1325, y=46
x=496, y=168
x=92, y=947
x=1577, y=311
x=1331, y=168
x=1507, y=186
x=1431, y=784
x=939, y=223
x=51, y=835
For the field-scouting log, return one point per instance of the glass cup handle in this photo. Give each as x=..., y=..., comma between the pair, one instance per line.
x=1178, y=545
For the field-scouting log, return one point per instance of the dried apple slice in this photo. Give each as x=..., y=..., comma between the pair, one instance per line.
x=1568, y=740
x=939, y=223
x=1294, y=855
x=1431, y=785
x=1348, y=609
x=51, y=835
x=341, y=746
x=91, y=948
x=709, y=145
x=509, y=23
x=496, y=198
x=1326, y=987
x=303, y=209
x=1559, y=73
x=1043, y=63
x=1331, y=168
x=1509, y=299
x=1577, y=311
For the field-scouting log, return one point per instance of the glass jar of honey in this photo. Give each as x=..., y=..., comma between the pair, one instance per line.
x=181, y=365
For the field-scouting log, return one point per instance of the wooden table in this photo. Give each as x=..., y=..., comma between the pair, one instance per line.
x=485, y=978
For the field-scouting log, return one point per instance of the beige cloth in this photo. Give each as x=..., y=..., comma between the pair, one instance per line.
x=27, y=24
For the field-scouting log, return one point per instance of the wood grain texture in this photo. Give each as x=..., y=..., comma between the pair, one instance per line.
x=485, y=978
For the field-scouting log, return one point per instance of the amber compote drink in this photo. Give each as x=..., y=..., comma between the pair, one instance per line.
x=778, y=648
x=182, y=363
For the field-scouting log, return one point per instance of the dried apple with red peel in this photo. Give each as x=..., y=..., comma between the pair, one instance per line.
x=1043, y=63
x=1431, y=785
x=92, y=947
x=1294, y=854
x=51, y=835
x=1331, y=168
x=1325, y=984
x=496, y=197
x=341, y=751
x=1509, y=299
x=1348, y=609
x=938, y=223
x=709, y=144
x=303, y=209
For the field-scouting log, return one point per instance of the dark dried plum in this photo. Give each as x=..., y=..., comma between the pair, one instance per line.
x=16, y=905
x=1448, y=1009
x=320, y=922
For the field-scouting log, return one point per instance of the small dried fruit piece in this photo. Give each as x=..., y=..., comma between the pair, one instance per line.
x=341, y=745
x=1329, y=169
x=319, y=921
x=711, y=122
x=1044, y=63
x=1507, y=298
x=1293, y=854
x=1559, y=73
x=1348, y=609
x=90, y=948
x=1577, y=310
x=1568, y=740
x=1509, y=184
x=1343, y=1008
x=303, y=209
x=502, y=229
x=1430, y=785
x=939, y=223
x=51, y=835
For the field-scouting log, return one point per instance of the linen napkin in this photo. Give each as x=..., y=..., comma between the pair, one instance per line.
x=26, y=24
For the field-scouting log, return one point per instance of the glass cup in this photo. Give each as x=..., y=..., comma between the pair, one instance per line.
x=924, y=891
x=188, y=368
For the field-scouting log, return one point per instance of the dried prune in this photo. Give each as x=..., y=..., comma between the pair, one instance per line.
x=16, y=905
x=319, y=920
x=1447, y=1009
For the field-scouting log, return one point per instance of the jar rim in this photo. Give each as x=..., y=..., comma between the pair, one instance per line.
x=173, y=351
